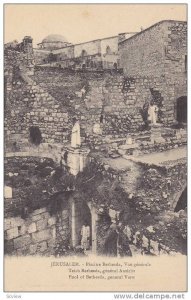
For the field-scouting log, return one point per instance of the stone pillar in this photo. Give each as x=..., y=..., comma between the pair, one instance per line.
x=156, y=133
x=76, y=159
x=94, y=230
x=73, y=223
x=8, y=194
x=29, y=55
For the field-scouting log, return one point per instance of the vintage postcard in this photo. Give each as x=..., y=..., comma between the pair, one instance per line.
x=95, y=162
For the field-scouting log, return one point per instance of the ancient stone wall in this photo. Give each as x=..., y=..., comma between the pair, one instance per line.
x=107, y=95
x=36, y=216
x=28, y=105
x=41, y=56
x=31, y=106
x=175, y=67
x=109, y=45
x=156, y=59
x=88, y=48
x=64, y=53
x=111, y=99
x=37, y=234
x=109, y=52
x=142, y=54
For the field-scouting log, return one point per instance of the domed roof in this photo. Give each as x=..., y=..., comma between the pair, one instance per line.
x=52, y=38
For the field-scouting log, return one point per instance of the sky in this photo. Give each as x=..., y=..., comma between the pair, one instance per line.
x=84, y=22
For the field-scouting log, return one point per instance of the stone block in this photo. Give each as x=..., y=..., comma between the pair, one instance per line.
x=8, y=194
x=159, y=140
x=12, y=233
x=39, y=211
x=7, y=223
x=42, y=246
x=121, y=152
x=33, y=248
x=65, y=213
x=41, y=235
x=154, y=246
x=127, y=231
x=32, y=228
x=53, y=232
x=36, y=217
x=8, y=247
x=41, y=224
x=22, y=229
x=52, y=221
x=51, y=243
x=127, y=147
x=22, y=251
x=145, y=242
x=45, y=215
x=22, y=241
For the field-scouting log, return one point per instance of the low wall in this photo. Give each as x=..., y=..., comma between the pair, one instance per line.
x=35, y=234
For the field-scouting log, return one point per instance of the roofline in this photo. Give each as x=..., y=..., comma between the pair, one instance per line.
x=106, y=38
x=52, y=42
x=37, y=49
x=158, y=23
x=96, y=40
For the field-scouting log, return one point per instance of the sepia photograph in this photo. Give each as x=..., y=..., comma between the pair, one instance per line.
x=95, y=147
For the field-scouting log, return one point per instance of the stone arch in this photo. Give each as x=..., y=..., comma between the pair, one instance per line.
x=178, y=196
x=35, y=136
x=81, y=214
x=181, y=109
x=81, y=211
x=84, y=53
x=108, y=50
x=182, y=201
x=115, y=66
x=185, y=63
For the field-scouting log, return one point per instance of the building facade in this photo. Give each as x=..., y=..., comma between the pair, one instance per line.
x=156, y=59
x=154, y=68
x=97, y=54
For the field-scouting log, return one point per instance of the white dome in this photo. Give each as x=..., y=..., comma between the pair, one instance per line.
x=52, y=38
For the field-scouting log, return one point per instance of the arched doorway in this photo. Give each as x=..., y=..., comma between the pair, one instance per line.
x=84, y=53
x=80, y=215
x=35, y=136
x=182, y=201
x=181, y=109
x=115, y=66
x=108, y=50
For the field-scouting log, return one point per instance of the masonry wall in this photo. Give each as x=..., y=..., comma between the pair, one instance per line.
x=146, y=53
x=18, y=61
x=91, y=48
x=31, y=106
x=56, y=99
x=38, y=234
x=112, y=43
x=157, y=56
x=176, y=61
x=109, y=95
x=64, y=53
x=33, y=223
x=27, y=104
x=143, y=54
x=41, y=56
x=109, y=58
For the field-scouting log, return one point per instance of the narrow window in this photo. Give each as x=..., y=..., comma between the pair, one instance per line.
x=185, y=63
x=35, y=135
